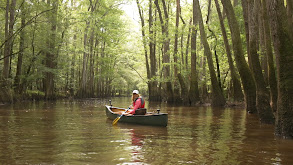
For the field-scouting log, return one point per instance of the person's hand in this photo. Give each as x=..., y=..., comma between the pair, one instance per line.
x=126, y=113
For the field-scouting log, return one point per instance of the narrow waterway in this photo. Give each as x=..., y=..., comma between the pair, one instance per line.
x=79, y=132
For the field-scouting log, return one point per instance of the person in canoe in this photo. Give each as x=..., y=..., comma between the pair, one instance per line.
x=137, y=107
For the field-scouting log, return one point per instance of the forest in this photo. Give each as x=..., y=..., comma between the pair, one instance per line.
x=187, y=52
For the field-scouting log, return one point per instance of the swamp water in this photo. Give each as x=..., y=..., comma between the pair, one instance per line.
x=79, y=132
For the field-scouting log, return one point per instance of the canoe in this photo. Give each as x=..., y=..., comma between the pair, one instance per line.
x=150, y=118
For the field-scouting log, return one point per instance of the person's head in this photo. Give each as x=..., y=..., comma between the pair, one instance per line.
x=135, y=94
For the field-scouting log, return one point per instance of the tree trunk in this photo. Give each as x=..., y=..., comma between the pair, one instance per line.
x=193, y=91
x=270, y=59
x=72, y=70
x=290, y=17
x=262, y=93
x=236, y=88
x=235, y=3
x=217, y=95
x=96, y=57
x=166, y=49
x=182, y=64
x=17, y=84
x=204, y=88
x=152, y=84
x=262, y=49
x=90, y=86
x=176, y=94
x=5, y=93
x=82, y=89
x=245, y=17
x=154, y=94
x=5, y=71
x=177, y=74
x=51, y=56
x=9, y=24
x=245, y=73
x=187, y=44
x=218, y=69
x=144, y=39
x=284, y=61
x=86, y=85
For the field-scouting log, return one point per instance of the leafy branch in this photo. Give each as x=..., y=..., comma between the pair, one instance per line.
x=22, y=27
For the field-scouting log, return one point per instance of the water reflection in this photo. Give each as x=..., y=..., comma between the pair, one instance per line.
x=137, y=143
x=141, y=140
x=79, y=133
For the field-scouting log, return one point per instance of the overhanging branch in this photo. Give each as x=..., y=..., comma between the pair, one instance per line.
x=22, y=27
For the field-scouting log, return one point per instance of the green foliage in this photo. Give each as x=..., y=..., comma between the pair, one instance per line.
x=35, y=94
x=88, y=36
x=94, y=46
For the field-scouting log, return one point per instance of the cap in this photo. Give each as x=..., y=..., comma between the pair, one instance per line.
x=135, y=91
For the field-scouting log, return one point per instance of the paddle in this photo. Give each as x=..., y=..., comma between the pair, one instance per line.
x=118, y=118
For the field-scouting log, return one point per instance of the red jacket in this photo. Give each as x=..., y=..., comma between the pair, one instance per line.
x=136, y=105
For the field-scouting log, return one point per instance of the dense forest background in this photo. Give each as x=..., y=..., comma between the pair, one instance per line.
x=53, y=49
x=186, y=52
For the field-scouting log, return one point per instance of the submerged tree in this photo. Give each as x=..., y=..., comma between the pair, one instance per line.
x=193, y=91
x=283, y=45
x=217, y=95
x=166, y=48
x=244, y=71
x=270, y=58
x=236, y=88
x=262, y=94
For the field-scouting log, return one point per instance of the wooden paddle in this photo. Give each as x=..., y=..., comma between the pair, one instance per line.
x=118, y=118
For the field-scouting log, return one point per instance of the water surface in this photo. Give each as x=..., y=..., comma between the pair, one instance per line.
x=78, y=132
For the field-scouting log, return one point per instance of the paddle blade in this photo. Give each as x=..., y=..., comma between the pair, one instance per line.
x=116, y=120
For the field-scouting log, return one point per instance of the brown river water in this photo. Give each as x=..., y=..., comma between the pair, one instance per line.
x=78, y=132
